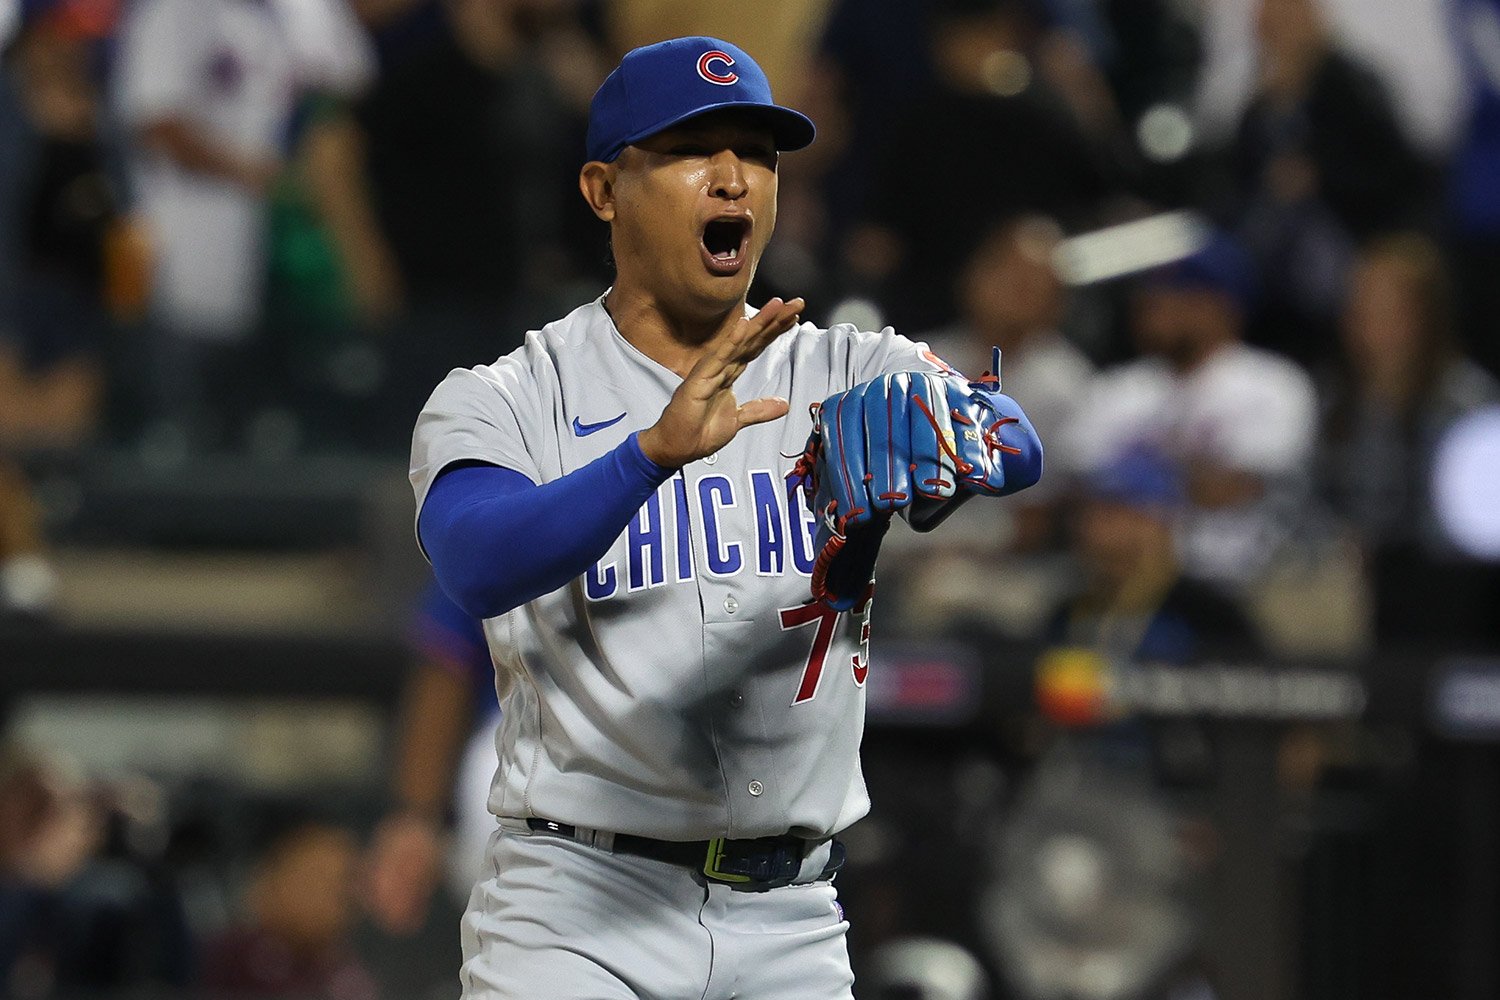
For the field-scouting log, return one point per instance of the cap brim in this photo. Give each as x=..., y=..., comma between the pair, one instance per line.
x=792, y=130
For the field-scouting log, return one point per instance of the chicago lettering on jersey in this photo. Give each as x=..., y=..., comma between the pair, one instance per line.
x=656, y=547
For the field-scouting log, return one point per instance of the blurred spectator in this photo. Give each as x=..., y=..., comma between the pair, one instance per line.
x=855, y=106
x=28, y=583
x=81, y=911
x=475, y=135
x=1134, y=602
x=1239, y=421
x=1406, y=42
x=1474, y=182
x=1150, y=51
x=300, y=908
x=332, y=279
x=1403, y=383
x=54, y=323
x=48, y=832
x=206, y=89
x=324, y=197
x=444, y=762
x=1320, y=163
x=53, y=332
x=1016, y=143
x=1011, y=298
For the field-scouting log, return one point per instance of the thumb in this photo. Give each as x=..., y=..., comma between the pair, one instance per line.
x=759, y=411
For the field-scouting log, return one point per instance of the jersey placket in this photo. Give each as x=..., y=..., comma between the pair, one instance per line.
x=722, y=557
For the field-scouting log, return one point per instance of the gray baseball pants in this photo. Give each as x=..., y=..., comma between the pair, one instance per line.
x=555, y=919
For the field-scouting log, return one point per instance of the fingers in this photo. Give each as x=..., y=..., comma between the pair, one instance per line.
x=771, y=322
x=759, y=411
x=849, y=428
x=844, y=457
x=745, y=342
x=927, y=422
x=888, y=433
x=777, y=314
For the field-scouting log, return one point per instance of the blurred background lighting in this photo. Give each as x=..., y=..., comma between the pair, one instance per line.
x=1165, y=133
x=1466, y=484
x=1130, y=247
x=1007, y=72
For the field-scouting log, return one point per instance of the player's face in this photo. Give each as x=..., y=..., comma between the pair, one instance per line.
x=694, y=207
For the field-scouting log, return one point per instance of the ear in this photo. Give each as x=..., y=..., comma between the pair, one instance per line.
x=597, y=182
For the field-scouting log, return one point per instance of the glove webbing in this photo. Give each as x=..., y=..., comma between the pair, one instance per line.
x=844, y=471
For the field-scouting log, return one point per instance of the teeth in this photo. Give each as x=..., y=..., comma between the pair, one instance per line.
x=721, y=232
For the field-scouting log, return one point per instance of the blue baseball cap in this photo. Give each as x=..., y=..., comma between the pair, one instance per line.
x=658, y=86
x=1220, y=265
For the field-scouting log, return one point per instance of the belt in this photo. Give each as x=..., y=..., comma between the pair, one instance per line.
x=753, y=864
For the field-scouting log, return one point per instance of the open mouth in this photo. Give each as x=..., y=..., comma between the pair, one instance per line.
x=725, y=242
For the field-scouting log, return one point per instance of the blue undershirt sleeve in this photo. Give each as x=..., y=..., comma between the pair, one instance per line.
x=498, y=540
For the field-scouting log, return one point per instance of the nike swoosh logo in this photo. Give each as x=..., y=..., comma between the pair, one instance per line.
x=584, y=430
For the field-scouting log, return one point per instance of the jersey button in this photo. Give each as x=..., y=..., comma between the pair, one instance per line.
x=711, y=459
x=756, y=788
x=731, y=605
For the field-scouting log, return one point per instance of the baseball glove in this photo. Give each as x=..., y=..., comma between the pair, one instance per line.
x=915, y=441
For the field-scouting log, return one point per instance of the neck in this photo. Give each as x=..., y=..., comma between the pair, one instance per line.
x=672, y=337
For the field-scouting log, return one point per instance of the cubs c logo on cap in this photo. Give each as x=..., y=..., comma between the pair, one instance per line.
x=717, y=56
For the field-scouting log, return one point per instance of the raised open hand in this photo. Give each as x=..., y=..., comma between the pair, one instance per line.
x=703, y=414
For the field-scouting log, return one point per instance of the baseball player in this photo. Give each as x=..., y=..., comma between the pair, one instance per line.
x=681, y=643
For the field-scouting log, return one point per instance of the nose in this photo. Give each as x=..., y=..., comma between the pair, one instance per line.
x=728, y=177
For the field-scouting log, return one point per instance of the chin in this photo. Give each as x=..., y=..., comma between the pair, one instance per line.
x=722, y=293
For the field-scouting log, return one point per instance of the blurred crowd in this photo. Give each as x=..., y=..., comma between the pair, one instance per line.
x=106, y=889
x=266, y=227
x=1242, y=258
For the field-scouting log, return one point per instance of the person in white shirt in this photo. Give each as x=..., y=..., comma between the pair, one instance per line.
x=206, y=91
x=1240, y=420
x=1012, y=298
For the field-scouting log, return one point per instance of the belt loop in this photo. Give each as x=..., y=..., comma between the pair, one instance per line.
x=604, y=840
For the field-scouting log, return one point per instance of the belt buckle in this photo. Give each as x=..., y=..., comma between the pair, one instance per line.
x=769, y=862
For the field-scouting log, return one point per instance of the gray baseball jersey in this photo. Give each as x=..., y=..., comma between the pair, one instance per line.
x=685, y=687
